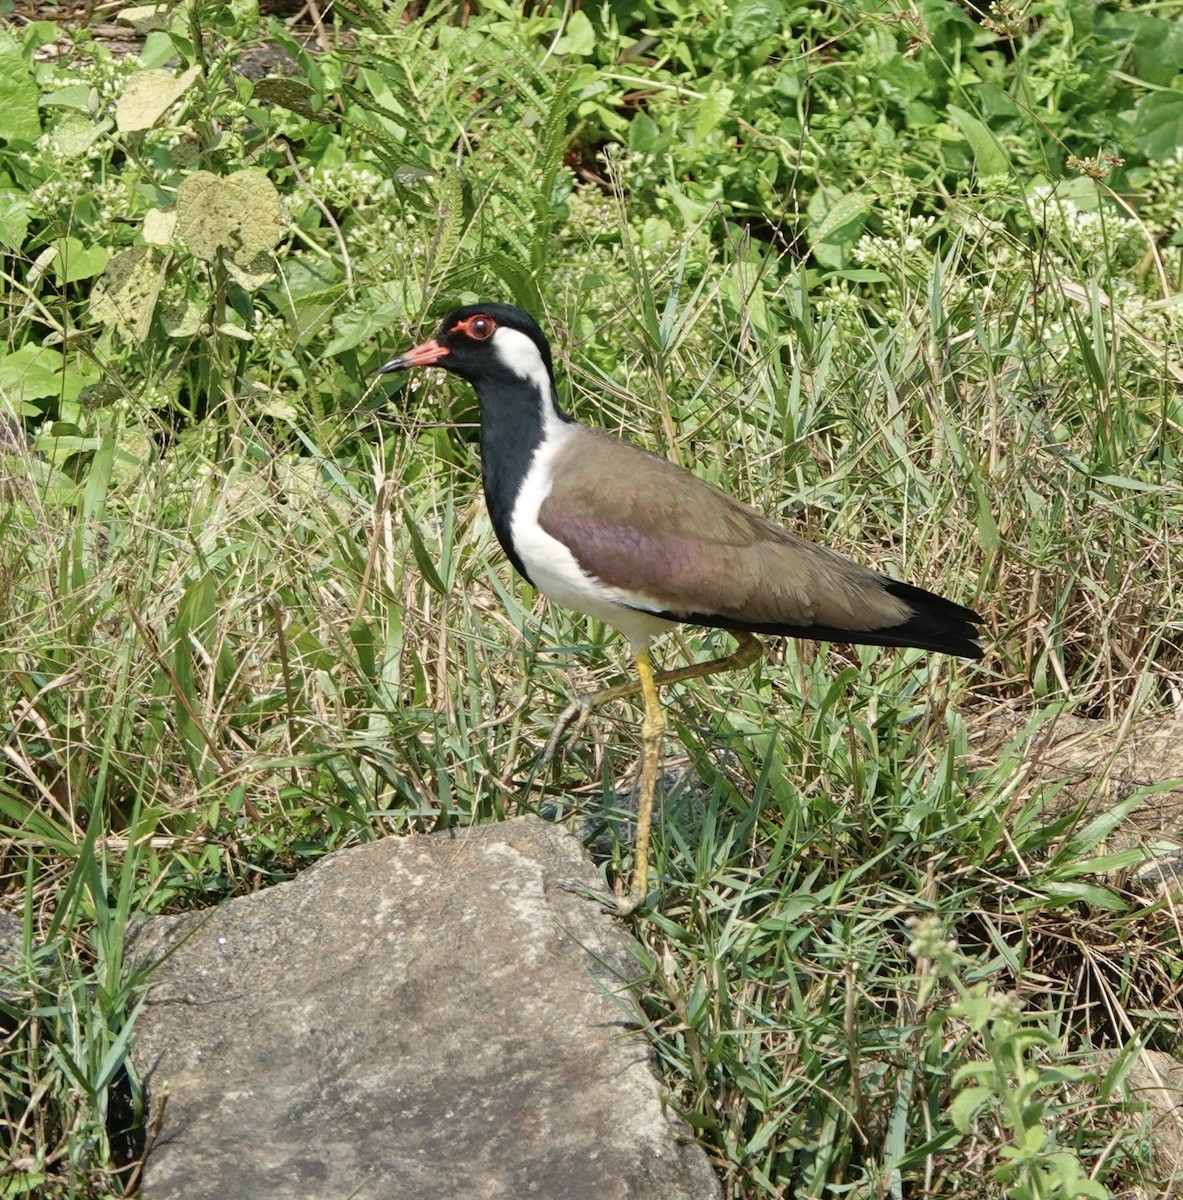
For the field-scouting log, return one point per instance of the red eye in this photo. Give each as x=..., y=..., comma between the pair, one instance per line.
x=480, y=328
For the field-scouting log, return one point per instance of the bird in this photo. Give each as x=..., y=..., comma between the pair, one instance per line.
x=608, y=529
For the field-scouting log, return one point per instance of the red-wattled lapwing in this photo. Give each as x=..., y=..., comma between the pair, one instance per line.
x=610, y=530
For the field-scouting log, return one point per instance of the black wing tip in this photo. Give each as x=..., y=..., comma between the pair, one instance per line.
x=936, y=623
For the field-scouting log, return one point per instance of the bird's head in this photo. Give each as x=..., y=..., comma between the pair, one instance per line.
x=483, y=342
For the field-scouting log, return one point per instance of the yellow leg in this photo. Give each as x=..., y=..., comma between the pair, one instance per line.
x=746, y=652
x=652, y=727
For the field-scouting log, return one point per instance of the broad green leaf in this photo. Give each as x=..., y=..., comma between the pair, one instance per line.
x=75, y=136
x=18, y=95
x=1073, y=892
x=988, y=156
x=359, y=325
x=837, y=226
x=712, y=110
x=14, y=219
x=75, y=261
x=1158, y=47
x=966, y=1106
x=1158, y=125
x=80, y=96
x=845, y=210
x=752, y=22
x=858, y=275
x=645, y=135
x=31, y=373
x=579, y=37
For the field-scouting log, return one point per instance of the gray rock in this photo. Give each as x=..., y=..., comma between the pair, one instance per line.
x=1096, y=764
x=417, y=1018
x=11, y=938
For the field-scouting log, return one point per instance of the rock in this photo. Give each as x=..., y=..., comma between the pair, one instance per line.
x=1096, y=761
x=416, y=1018
x=1153, y=1083
x=1156, y=1080
x=1098, y=764
x=11, y=940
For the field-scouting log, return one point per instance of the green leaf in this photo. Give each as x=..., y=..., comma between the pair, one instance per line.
x=752, y=22
x=18, y=95
x=419, y=550
x=361, y=634
x=579, y=36
x=858, y=275
x=31, y=373
x=1065, y=892
x=1118, y=860
x=966, y=1106
x=359, y=325
x=713, y=108
x=1127, y=484
x=1086, y=840
x=81, y=96
x=837, y=225
x=75, y=261
x=75, y=136
x=844, y=211
x=1158, y=125
x=644, y=135
x=1158, y=48
x=988, y=155
x=14, y=220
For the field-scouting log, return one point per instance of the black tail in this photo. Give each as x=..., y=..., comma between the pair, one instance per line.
x=935, y=624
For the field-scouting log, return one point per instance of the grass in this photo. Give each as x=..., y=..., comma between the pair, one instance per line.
x=252, y=610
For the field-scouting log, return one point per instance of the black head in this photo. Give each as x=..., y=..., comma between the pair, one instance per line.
x=484, y=342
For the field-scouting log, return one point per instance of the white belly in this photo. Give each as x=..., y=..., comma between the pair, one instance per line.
x=556, y=573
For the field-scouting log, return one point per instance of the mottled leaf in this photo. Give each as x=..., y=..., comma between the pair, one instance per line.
x=148, y=95
x=292, y=94
x=240, y=214
x=125, y=297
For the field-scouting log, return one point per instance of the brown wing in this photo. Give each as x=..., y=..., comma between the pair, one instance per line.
x=687, y=550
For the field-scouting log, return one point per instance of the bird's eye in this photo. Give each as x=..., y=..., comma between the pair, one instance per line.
x=480, y=328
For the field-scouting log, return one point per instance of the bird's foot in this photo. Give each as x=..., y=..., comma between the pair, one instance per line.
x=620, y=906
x=576, y=713
x=628, y=905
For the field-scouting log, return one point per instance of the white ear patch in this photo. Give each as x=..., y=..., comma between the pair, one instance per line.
x=518, y=352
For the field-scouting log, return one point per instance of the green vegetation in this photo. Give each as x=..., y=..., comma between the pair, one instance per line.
x=906, y=276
